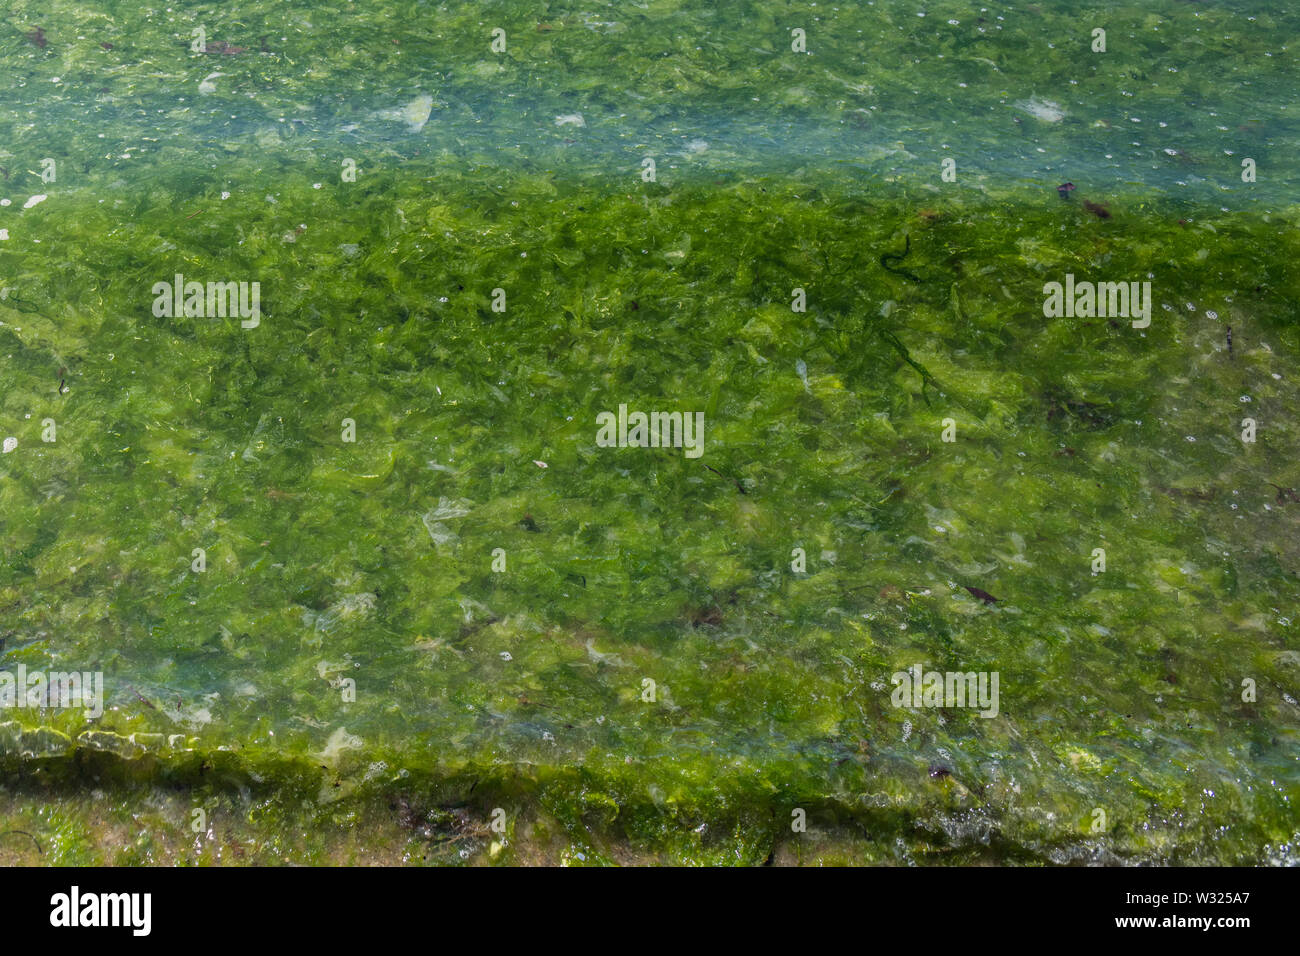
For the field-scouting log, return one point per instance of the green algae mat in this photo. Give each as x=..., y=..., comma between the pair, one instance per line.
x=659, y=432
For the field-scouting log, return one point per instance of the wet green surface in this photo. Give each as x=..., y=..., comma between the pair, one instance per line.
x=523, y=689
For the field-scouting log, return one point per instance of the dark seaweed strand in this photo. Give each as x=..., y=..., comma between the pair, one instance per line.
x=28, y=835
x=735, y=481
x=926, y=377
x=899, y=256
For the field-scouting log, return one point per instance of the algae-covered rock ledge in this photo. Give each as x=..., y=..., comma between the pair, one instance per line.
x=635, y=437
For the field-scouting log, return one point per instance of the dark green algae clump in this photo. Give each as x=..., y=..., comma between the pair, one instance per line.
x=523, y=690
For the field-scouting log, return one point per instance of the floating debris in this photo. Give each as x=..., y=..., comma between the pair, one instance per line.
x=1041, y=109
x=447, y=509
x=414, y=114
x=982, y=595
x=339, y=741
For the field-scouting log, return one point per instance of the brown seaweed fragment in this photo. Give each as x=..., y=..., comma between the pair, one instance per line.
x=981, y=594
x=1285, y=494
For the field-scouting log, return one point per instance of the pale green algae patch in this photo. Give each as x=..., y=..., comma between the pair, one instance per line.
x=523, y=690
